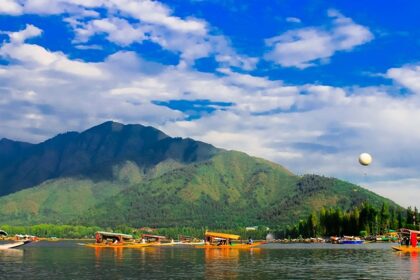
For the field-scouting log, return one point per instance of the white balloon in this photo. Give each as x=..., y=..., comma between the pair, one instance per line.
x=365, y=159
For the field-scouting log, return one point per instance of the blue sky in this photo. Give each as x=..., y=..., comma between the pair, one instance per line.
x=308, y=84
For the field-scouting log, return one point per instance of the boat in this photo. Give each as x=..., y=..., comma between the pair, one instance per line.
x=118, y=245
x=115, y=240
x=13, y=245
x=409, y=241
x=217, y=240
x=350, y=240
x=158, y=240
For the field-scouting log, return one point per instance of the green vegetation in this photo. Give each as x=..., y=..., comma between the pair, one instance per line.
x=47, y=230
x=363, y=220
x=93, y=154
x=231, y=189
x=72, y=231
x=131, y=175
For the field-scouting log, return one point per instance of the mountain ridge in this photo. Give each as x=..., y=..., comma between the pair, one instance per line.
x=114, y=174
x=92, y=153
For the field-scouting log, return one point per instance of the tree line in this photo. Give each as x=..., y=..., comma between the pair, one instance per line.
x=363, y=220
x=77, y=231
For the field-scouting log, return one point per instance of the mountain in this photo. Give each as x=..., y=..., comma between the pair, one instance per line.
x=92, y=154
x=116, y=174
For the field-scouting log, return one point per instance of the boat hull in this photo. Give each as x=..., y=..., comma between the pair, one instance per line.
x=351, y=241
x=233, y=246
x=13, y=245
x=99, y=245
x=407, y=249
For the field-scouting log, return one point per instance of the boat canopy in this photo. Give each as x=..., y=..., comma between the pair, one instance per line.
x=408, y=231
x=105, y=234
x=2, y=232
x=222, y=235
x=150, y=236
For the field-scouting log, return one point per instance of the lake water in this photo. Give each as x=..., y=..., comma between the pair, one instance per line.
x=68, y=260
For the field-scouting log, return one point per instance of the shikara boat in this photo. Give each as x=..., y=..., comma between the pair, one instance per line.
x=115, y=240
x=157, y=240
x=409, y=241
x=217, y=240
x=350, y=240
x=13, y=245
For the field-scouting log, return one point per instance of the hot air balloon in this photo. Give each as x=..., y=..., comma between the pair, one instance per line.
x=365, y=159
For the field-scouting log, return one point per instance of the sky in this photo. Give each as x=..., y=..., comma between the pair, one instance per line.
x=307, y=84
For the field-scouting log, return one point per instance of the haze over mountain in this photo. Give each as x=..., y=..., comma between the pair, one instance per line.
x=115, y=174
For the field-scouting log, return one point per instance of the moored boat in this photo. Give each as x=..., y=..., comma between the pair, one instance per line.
x=217, y=240
x=409, y=241
x=13, y=245
x=350, y=240
x=115, y=240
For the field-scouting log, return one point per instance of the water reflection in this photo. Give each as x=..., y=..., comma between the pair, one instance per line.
x=11, y=255
x=69, y=261
x=414, y=265
x=225, y=263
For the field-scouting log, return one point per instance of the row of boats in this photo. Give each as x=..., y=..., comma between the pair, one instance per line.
x=408, y=241
x=212, y=240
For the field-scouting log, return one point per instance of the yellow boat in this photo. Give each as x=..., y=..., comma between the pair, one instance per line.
x=406, y=249
x=408, y=241
x=118, y=245
x=217, y=240
x=233, y=246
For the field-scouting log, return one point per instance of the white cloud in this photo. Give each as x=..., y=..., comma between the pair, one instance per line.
x=29, y=32
x=408, y=76
x=10, y=7
x=119, y=31
x=405, y=191
x=135, y=21
x=154, y=12
x=35, y=56
x=304, y=47
x=293, y=19
x=308, y=128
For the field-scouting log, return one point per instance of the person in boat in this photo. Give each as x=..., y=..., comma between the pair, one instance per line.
x=250, y=241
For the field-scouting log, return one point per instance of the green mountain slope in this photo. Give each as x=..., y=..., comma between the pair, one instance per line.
x=133, y=175
x=92, y=154
x=64, y=200
x=229, y=190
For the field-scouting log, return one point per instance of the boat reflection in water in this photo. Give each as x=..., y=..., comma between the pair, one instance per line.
x=225, y=263
x=414, y=263
x=119, y=253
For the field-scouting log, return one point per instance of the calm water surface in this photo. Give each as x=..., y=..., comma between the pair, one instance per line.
x=68, y=260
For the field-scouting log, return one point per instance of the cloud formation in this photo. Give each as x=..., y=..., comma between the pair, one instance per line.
x=310, y=127
x=305, y=47
x=131, y=21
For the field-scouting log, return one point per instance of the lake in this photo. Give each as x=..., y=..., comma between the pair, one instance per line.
x=69, y=260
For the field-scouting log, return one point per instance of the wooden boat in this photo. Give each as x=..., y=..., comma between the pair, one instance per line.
x=13, y=245
x=406, y=249
x=156, y=240
x=217, y=240
x=350, y=240
x=232, y=246
x=117, y=245
x=409, y=241
x=115, y=240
